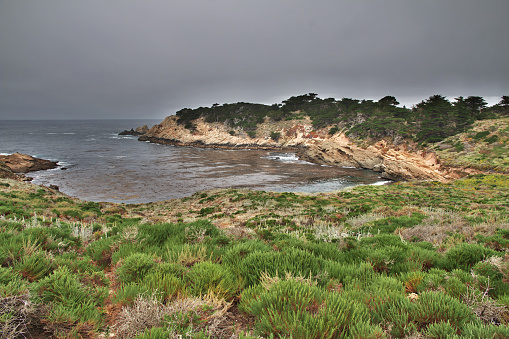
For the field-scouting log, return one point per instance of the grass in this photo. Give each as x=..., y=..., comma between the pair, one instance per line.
x=405, y=260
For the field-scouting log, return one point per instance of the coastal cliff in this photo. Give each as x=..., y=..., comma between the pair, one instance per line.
x=394, y=162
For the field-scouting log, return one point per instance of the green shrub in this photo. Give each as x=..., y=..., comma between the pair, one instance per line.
x=465, y=256
x=361, y=274
x=35, y=266
x=127, y=293
x=154, y=333
x=294, y=261
x=167, y=285
x=298, y=310
x=71, y=300
x=481, y=135
x=207, y=277
x=102, y=250
x=435, y=307
x=135, y=267
x=441, y=330
x=482, y=331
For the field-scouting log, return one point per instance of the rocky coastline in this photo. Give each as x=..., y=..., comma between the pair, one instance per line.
x=402, y=162
x=14, y=166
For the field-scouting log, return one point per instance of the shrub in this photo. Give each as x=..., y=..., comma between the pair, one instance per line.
x=295, y=261
x=71, y=301
x=146, y=312
x=135, y=267
x=127, y=293
x=476, y=331
x=441, y=330
x=35, y=266
x=291, y=308
x=465, y=256
x=167, y=285
x=275, y=136
x=207, y=277
x=435, y=307
x=238, y=252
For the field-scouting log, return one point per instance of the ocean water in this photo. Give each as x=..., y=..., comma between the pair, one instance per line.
x=97, y=164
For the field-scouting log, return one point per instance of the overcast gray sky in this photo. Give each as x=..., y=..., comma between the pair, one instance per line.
x=149, y=58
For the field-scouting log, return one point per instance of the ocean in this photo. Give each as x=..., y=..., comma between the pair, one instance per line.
x=97, y=164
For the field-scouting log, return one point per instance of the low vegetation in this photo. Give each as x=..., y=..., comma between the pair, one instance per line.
x=420, y=259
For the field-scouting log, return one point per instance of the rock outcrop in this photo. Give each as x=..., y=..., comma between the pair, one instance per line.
x=136, y=132
x=23, y=163
x=393, y=162
x=6, y=172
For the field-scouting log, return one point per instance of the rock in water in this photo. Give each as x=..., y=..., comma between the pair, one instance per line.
x=23, y=163
x=137, y=132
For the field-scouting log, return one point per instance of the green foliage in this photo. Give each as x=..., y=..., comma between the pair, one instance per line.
x=465, y=256
x=275, y=136
x=441, y=330
x=207, y=277
x=71, y=300
x=35, y=266
x=294, y=261
x=291, y=308
x=436, y=307
x=135, y=267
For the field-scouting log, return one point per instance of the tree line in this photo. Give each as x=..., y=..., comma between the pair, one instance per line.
x=431, y=120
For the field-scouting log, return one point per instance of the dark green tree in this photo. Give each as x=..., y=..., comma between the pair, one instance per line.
x=476, y=104
x=388, y=100
x=437, y=118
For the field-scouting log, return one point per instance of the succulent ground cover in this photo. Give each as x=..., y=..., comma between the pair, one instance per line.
x=415, y=259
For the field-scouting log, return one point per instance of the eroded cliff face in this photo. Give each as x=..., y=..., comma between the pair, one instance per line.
x=394, y=162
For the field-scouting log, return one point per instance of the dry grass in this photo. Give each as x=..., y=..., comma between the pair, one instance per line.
x=440, y=225
x=484, y=307
x=15, y=316
x=208, y=314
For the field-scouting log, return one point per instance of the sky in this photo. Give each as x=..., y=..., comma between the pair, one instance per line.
x=72, y=59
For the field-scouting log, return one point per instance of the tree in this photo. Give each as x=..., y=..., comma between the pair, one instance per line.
x=464, y=116
x=505, y=101
x=476, y=104
x=437, y=118
x=388, y=100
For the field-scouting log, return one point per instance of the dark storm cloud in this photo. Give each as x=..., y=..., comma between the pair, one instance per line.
x=130, y=59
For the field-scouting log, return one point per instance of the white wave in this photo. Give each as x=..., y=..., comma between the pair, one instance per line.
x=70, y=133
x=380, y=183
x=64, y=164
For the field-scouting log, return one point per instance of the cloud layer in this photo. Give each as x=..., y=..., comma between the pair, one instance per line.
x=147, y=59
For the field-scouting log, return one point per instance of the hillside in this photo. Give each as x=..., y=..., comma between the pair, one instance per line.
x=398, y=142
x=404, y=260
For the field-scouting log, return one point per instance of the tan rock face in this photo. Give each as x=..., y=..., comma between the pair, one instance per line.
x=394, y=162
x=22, y=163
